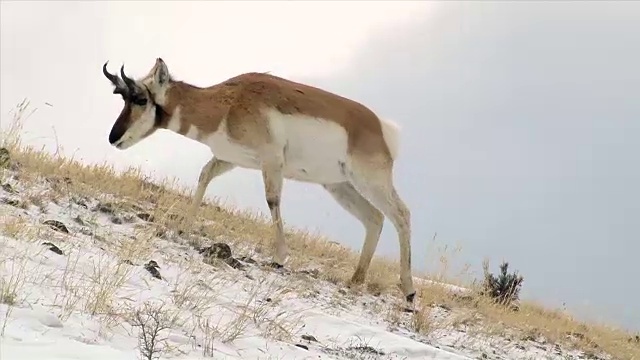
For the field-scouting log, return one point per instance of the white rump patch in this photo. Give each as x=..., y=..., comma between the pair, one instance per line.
x=390, y=133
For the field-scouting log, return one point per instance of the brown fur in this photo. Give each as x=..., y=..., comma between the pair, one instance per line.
x=241, y=98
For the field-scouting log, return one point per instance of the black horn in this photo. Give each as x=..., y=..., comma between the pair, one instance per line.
x=130, y=83
x=113, y=78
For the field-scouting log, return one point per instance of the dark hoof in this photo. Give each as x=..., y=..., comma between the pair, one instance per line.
x=275, y=265
x=410, y=310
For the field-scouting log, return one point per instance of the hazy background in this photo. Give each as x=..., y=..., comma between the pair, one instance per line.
x=520, y=121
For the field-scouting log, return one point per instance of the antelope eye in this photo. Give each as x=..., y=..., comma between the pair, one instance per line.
x=140, y=101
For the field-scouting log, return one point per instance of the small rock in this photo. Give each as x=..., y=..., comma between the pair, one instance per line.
x=79, y=220
x=152, y=267
x=217, y=250
x=145, y=217
x=117, y=220
x=57, y=225
x=302, y=346
x=106, y=208
x=8, y=188
x=275, y=265
x=12, y=202
x=309, y=338
x=53, y=248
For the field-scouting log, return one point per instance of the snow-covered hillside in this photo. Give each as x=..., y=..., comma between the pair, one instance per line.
x=85, y=277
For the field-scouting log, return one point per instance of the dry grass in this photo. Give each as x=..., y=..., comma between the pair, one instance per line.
x=247, y=230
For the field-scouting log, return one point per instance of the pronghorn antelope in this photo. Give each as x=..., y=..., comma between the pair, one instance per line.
x=285, y=130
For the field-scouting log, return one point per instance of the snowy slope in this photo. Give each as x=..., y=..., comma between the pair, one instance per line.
x=81, y=301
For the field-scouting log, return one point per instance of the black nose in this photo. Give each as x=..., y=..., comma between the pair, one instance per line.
x=114, y=136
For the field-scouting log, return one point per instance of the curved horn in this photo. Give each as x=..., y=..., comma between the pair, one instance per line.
x=130, y=83
x=113, y=78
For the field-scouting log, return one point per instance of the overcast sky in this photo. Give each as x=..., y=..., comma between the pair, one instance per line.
x=520, y=121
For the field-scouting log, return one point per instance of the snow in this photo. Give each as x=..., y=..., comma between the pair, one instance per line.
x=80, y=305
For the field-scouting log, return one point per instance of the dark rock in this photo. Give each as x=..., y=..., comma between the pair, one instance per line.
x=8, y=188
x=117, y=220
x=365, y=349
x=217, y=250
x=309, y=338
x=12, y=202
x=57, y=225
x=152, y=267
x=53, y=248
x=106, y=208
x=128, y=262
x=145, y=217
x=221, y=251
x=275, y=265
x=302, y=346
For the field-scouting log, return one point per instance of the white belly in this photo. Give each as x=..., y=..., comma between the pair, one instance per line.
x=315, y=150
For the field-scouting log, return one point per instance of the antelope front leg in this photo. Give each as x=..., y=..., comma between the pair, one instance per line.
x=273, y=179
x=213, y=168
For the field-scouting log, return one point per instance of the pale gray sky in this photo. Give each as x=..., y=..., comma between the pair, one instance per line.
x=520, y=121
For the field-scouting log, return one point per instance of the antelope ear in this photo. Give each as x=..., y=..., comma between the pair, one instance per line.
x=161, y=72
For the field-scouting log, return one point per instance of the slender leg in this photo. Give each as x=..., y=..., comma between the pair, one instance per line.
x=213, y=168
x=374, y=181
x=370, y=217
x=273, y=180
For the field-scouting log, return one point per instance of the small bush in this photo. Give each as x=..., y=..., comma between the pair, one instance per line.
x=504, y=289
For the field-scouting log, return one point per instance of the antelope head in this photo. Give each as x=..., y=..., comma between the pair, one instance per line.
x=141, y=114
